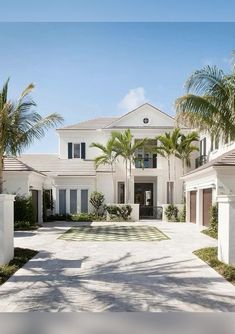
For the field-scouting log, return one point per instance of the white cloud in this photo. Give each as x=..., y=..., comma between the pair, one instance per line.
x=133, y=99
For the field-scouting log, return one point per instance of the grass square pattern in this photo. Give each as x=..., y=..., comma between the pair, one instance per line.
x=114, y=233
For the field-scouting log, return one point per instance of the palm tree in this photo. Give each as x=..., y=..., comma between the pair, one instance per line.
x=185, y=148
x=168, y=147
x=209, y=103
x=107, y=157
x=19, y=125
x=125, y=148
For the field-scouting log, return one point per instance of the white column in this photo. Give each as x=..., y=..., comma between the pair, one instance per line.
x=199, y=208
x=40, y=206
x=226, y=229
x=6, y=228
x=187, y=200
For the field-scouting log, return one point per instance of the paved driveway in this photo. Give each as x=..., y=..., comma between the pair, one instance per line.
x=116, y=276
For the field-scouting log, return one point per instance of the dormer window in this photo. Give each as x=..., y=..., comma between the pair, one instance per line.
x=76, y=150
x=145, y=120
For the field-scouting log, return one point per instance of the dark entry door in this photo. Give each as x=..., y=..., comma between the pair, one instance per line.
x=144, y=197
x=207, y=202
x=193, y=206
x=35, y=203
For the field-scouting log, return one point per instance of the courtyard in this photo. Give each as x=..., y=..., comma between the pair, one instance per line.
x=71, y=273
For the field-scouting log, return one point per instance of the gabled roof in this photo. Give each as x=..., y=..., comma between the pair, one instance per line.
x=113, y=124
x=96, y=123
x=226, y=159
x=13, y=164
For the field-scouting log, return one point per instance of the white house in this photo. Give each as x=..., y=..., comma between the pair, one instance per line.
x=71, y=176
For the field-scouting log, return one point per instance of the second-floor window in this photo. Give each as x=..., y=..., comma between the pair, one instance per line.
x=76, y=150
x=203, y=146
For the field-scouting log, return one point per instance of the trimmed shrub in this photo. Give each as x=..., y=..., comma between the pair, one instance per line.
x=122, y=212
x=97, y=200
x=82, y=217
x=182, y=214
x=24, y=211
x=171, y=213
x=212, y=231
x=58, y=217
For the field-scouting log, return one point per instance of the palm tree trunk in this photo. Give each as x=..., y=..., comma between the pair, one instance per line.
x=169, y=169
x=126, y=187
x=1, y=173
x=114, y=185
x=129, y=180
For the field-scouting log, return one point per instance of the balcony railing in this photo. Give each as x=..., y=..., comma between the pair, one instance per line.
x=146, y=163
x=201, y=160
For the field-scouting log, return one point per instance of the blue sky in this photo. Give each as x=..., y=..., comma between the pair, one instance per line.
x=117, y=10
x=86, y=70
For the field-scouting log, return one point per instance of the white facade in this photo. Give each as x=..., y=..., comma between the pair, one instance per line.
x=213, y=175
x=72, y=175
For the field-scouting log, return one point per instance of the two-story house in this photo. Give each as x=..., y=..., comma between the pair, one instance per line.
x=71, y=176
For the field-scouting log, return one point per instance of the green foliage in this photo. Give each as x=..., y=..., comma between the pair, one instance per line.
x=209, y=255
x=212, y=231
x=58, y=217
x=24, y=226
x=97, y=200
x=24, y=211
x=21, y=256
x=122, y=212
x=209, y=102
x=171, y=213
x=182, y=214
x=82, y=217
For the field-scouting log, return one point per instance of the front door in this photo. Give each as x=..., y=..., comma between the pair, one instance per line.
x=144, y=197
x=35, y=204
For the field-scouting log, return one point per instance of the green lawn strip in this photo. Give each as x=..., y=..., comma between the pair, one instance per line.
x=21, y=256
x=209, y=255
x=210, y=233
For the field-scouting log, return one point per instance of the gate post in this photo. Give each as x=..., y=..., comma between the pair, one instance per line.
x=6, y=228
x=226, y=228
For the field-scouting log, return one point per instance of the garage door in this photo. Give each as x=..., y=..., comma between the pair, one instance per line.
x=193, y=206
x=207, y=202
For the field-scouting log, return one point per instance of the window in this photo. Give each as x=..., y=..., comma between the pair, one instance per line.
x=76, y=151
x=214, y=143
x=145, y=120
x=62, y=201
x=170, y=192
x=121, y=192
x=203, y=146
x=73, y=201
x=84, y=201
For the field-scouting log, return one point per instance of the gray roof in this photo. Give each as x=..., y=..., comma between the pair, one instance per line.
x=226, y=159
x=13, y=164
x=96, y=123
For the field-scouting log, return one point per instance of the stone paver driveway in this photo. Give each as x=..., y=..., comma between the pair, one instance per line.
x=116, y=276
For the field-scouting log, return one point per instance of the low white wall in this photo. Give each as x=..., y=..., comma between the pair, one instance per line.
x=164, y=206
x=6, y=228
